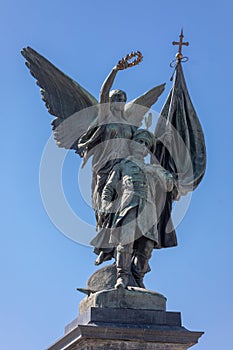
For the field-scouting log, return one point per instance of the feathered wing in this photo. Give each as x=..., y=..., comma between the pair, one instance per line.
x=73, y=106
x=137, y=108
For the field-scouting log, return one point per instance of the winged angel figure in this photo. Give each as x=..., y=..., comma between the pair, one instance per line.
x=91, y=128
x=105, y=130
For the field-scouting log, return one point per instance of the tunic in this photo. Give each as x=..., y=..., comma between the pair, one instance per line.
x=132, y=196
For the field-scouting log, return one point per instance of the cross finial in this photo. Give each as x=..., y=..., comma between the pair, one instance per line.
x=179, y=55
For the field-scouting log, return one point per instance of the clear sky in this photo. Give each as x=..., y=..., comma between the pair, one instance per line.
x=40, y=267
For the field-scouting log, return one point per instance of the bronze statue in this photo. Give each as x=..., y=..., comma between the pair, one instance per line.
x=89, y=127
x=132, y=200
x=133, y=232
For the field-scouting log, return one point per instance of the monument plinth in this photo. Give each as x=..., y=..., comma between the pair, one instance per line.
x=133, y=298
x=126, y=328
x=125, y=319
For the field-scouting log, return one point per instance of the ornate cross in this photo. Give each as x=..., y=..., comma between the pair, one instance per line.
x=179, y=55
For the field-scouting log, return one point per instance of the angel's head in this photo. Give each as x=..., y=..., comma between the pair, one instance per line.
x=117, y=99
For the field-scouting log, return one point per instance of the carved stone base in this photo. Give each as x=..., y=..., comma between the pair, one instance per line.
x=126, y=329
x=131, y=298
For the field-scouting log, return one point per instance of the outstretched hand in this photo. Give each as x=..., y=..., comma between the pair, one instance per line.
x=122, y=64
x=126, y=61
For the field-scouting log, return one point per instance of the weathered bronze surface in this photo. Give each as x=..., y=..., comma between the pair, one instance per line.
x=132, y=200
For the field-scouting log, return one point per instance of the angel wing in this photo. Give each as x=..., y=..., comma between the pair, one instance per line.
x=137, y=108
x=74, y=107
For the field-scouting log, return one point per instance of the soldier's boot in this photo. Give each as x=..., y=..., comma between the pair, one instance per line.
x=140, y=262
x=123, y=265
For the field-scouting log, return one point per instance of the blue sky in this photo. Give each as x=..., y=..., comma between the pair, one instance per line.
x=40, y=267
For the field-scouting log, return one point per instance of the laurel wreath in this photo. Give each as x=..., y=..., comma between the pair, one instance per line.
x=124, y=62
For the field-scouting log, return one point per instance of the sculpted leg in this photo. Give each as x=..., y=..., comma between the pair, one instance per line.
x=123, y=264
x=141, y=257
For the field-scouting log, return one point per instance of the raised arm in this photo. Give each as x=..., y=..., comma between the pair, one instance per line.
x=105, y=90
x=107, y=85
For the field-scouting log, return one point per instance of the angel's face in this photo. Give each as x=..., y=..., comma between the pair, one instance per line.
x=118, y=100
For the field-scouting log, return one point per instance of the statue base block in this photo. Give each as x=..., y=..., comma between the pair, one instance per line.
x=131, y=298
x=126, y=329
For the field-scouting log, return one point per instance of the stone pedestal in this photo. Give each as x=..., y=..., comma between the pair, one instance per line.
x=130, y=298
x=103, y=324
